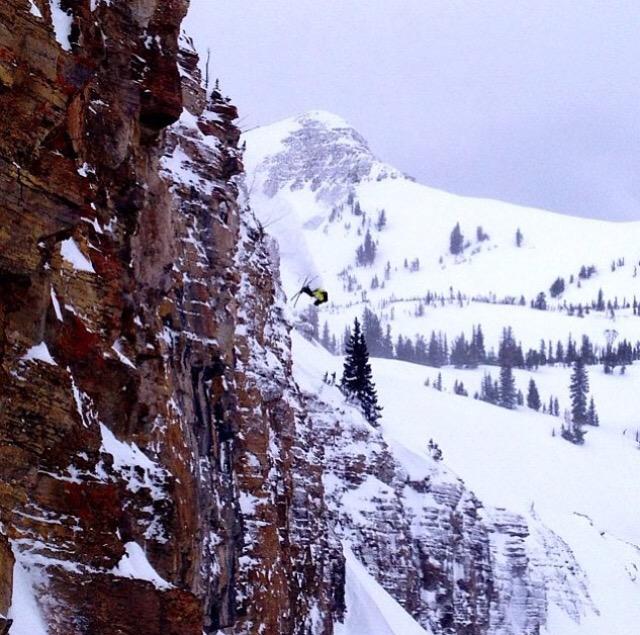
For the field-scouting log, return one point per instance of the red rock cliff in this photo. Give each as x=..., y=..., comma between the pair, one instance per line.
x=152, y=473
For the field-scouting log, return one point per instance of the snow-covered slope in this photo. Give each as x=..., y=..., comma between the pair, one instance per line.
x=455, y=564
x=370, y=608
x=569, y=512
x=312, y=175
x=586, y=495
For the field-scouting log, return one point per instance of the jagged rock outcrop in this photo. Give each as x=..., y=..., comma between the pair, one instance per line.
x=151, y=477
x=457, y=567
x=321, y=151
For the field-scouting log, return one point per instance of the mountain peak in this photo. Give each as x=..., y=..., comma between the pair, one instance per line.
x=317, y=150
x=323, y=117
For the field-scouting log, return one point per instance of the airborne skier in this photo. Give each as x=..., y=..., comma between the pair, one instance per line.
x=320, y=295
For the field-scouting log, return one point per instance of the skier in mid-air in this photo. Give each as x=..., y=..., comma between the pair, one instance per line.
x=319, y=295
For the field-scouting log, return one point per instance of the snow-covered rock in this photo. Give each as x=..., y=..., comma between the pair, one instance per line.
x=525, y=536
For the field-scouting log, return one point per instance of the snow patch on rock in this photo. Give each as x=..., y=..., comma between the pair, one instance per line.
x=135, y=564
x=72, y=254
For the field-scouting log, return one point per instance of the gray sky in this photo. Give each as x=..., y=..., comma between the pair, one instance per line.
x=533, y=102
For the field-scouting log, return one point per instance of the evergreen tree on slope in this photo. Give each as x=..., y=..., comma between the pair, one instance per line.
x=592, y=415
x=357, y=381
x=456, y=241
x=508, y=395
x=578, y=389
x=372, y=332
x=508, y=357
x=533, y=396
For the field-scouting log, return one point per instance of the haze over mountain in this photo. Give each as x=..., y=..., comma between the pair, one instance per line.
x=533, y=104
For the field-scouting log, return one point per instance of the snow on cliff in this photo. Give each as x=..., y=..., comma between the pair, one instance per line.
x=318, y=189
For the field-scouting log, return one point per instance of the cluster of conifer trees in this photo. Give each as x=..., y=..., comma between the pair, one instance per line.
x=503, y=393
x=457, y=242
x=582, y=414
x=357, y=381
x=470, y=352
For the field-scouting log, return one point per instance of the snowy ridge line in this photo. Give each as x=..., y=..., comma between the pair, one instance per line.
x=604, y=532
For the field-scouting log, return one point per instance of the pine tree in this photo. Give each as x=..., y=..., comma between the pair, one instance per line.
x=488, y=390
x=571, y=355
x=366, y=253
x=405, y=350
x=387, y=344
x=586, y=350
x=434, y=353
x=519, y=238
x=357, y=381
x=510, y=353
x=533, y=396
x=420, y=350
x=459, y=352
x=532, y=359
x=444, y=349
x=481, y=236
x=557, y=288
x=578, y=390
x=559, y=352
x=372, y=332
x=459, y=389
x=540, y=302
x=573, y=430
x=479, y=344
x=476, y=353
x=508, y=395
x=592, y=415
x=542, y=353
x=456, y=241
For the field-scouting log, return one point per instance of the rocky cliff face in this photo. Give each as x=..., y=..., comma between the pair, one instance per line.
x=160, y=470
x=456, y=566
x=151, y=477
x=322, y=150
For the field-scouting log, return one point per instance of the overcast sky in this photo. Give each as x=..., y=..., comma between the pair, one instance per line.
x=533, y=102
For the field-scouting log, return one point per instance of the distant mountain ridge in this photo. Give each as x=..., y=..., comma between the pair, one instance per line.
x=319, y=150
x=318, y=189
